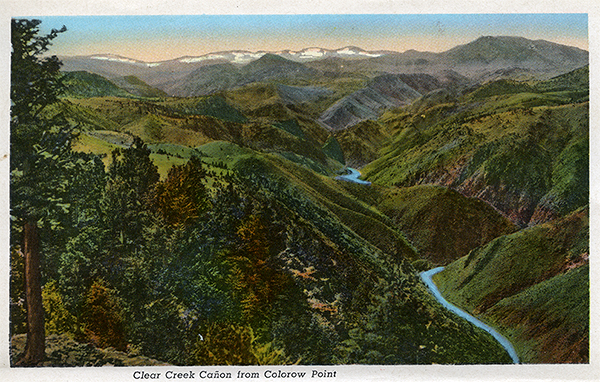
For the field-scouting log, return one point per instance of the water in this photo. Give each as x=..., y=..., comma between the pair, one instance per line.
x=426, y=277
x=353, y=177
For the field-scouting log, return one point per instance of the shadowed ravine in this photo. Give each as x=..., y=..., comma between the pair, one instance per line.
x=426, y=277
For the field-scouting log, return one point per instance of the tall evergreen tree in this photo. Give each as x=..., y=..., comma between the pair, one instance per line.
x=127, y=204
x=38, y=147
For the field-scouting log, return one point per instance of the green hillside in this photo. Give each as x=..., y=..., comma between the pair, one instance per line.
x=213, y=106
x=291, y=126
x=518, y=274
x=523, y=153
x=549, y=322
x=575, y=83
x=84, y=85
x=77, y=114
x=332, y=149
x=361, y=143
x=441, y=223
x=195, y=121
x=134, y=85
x=500, y=87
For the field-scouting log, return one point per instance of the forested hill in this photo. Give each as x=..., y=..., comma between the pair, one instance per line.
x=247, y=258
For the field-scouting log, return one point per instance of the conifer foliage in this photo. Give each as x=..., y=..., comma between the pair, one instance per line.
x=182, y=196
x=38, y=146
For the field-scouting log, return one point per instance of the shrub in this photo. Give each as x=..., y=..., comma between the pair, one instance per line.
x=231, y=344
x=102, y=317
x=225, y=344
x=58, y=319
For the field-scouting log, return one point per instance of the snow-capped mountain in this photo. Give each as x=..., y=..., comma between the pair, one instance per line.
x=113, y=66
x=304, y=55
x=311, y=54
x=244, y=57
x=484, y=58
x=121, y=59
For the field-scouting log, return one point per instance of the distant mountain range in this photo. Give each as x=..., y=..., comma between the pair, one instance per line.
x=244, y=57
x=499, y=52
x=390, y=78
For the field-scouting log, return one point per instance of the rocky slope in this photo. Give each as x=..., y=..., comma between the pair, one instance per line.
x=381, y=93
x=63, y=351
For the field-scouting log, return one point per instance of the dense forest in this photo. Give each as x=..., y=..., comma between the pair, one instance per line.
x=211, y=230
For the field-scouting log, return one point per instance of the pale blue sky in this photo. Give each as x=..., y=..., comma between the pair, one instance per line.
x=155, y=38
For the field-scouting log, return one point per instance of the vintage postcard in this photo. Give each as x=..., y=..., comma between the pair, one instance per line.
x=270, y=193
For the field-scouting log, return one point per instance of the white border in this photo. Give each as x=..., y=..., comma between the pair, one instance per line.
x=9, y=8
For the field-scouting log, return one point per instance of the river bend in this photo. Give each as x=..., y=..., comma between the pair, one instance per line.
x=353, y=177
x=426, y=277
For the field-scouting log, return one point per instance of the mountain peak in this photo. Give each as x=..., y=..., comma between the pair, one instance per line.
x=519, y=51
x=268, y=57
x=271, y=59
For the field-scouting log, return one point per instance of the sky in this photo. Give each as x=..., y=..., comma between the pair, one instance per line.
x=158, y=38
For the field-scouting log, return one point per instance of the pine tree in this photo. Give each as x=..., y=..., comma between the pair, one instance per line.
x=127, y=203
x=38, y=146
x=182, y=196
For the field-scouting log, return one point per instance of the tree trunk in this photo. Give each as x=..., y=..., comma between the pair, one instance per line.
x=36, y=336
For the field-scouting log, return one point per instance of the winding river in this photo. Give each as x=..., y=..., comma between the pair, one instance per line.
x=426, y=277
x=353, y=177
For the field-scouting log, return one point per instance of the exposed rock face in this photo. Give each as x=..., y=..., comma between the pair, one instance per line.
x=383, y=92
x=301, y=94
x=515, y=205
x=363, y=104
